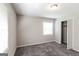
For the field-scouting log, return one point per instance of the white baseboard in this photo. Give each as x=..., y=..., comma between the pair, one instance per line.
x=34, y=44
x=13, y=52
x=58, y=42
x=76, y=50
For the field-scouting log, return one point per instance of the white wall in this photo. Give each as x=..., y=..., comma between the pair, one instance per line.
x=69, y=33
x=58, y=31
x=11, y=30
x=3, y=29
x=30, y=31
x=76, y=33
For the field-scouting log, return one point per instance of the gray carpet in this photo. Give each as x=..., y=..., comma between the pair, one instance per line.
x=3, y=54
x=46, y=49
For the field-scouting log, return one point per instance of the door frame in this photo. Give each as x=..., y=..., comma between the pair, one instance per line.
x=62, y=32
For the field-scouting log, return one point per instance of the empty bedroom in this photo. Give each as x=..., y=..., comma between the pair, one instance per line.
x=39, y=29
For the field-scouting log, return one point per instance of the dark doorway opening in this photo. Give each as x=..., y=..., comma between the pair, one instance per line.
x=64, y=32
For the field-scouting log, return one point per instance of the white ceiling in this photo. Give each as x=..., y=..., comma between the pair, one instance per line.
x=43, y=10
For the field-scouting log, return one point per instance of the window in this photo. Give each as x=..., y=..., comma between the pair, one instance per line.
x=47, y=28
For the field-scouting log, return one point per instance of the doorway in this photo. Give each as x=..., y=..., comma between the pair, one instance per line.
x=64, y=32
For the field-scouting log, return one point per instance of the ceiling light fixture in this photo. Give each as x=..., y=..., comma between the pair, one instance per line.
x=53, y=6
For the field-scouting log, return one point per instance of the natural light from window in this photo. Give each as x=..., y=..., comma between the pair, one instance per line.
x=47, y=28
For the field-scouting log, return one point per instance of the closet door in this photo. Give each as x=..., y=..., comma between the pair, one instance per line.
x=76, y=35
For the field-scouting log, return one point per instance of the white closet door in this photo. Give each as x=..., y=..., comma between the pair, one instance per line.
x=76, y=35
